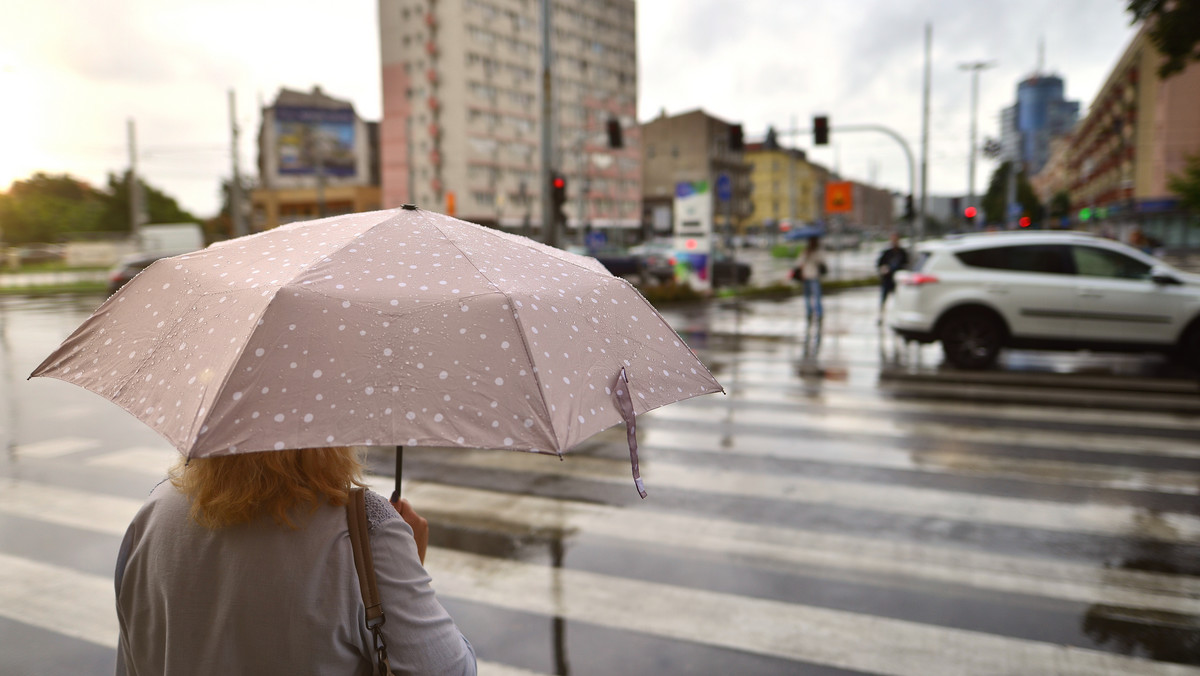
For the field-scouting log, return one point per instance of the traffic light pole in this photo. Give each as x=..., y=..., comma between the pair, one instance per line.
x=549, y=219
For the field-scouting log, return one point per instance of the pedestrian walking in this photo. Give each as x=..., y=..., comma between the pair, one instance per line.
x=244, y=564
x=891, y=260
x=811, y=267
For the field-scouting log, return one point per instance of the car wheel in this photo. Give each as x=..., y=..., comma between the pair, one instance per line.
x=971, y=339
x=1188, y=350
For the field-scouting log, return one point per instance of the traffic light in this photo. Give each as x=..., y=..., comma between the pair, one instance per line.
x=1025, y=222
x=909, y=212
x=969, y=213
x=558, y=197
x=615, y=139
x=821, y=129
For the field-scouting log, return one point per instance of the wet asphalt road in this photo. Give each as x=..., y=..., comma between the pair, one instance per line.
x=849, y=506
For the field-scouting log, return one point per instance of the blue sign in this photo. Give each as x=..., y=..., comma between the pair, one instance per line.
x=724, y=188
x=596, y=239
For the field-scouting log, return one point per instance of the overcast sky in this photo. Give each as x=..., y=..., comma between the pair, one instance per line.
x=72, y=72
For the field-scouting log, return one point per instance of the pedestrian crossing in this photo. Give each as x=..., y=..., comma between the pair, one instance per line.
x=841, y=533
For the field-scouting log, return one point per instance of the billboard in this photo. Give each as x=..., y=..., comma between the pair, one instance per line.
x=306, y=137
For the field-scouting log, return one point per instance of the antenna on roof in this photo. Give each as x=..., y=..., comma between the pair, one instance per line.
x=1041, y=62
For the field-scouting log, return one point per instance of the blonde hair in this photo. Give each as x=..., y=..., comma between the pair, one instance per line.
x=232, y=489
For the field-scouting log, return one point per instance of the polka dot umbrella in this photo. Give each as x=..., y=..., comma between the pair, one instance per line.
x=388, y=328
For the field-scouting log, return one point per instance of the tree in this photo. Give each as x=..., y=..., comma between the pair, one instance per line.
x=159, y=208
x=45, y=208
x=1174, y=29
x=995, y=201
x=1060, y=205
x=1187, y=184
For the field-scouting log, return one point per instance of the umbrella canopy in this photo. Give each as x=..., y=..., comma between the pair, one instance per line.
x=400, y=327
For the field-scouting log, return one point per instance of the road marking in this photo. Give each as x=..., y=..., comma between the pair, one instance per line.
x=807, y=634
x=776, y=548
x=58, y=599
x=948, y=462
x=82, y=605
x=815, y=635
x=55, y=448
x=1092, y=518
x=874, y=401
x=801, y=420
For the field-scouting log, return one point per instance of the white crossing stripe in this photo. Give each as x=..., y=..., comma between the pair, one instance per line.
x=1099, y=519
x=801, y=420
x=817, y=635
x=82, y=605
x=935, y=461
x=54, y=448
x=772, y=547
x=1017, y=412
x=58, y=599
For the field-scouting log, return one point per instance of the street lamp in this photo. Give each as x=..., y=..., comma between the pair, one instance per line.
x=974, y=67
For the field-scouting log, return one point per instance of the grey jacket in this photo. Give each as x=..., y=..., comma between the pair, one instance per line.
x=261, y=599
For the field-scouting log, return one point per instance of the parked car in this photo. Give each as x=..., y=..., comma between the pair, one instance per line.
x=729, y=271
x=979, y=293
x=128, y=267
x=39, y=253
x=658, y=260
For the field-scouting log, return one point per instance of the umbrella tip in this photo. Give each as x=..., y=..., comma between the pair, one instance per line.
x=409, y=207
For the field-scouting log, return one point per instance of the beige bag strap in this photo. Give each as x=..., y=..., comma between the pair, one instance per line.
x=356, y=520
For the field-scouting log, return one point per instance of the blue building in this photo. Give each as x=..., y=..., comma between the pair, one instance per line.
x=1040, y=114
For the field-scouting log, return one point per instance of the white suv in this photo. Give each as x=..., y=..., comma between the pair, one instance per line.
x=1046, y=290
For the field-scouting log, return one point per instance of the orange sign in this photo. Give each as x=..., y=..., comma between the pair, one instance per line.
x=839, y=197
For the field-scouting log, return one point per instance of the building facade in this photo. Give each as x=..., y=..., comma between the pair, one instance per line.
x=461, y=129
x=1039, y=115
x=1138, y=132
x=787, y=187
x=694, y=147
x=316, y=158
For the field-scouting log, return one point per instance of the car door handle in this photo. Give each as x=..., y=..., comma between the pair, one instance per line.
x=1090, y=293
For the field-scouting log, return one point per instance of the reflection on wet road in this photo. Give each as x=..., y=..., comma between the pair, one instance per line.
x=850, y=506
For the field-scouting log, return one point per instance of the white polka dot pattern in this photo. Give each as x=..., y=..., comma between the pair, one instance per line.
x=397, y=327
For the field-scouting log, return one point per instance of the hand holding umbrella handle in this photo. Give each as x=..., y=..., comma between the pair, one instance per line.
x=418, y=523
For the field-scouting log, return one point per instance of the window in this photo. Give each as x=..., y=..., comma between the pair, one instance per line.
x=1044, y=258
x=1097, y=262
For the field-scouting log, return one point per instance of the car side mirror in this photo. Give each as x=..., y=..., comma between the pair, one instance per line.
x=1162, y=277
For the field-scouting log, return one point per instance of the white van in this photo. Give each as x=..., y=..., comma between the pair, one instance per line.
x=172, y=238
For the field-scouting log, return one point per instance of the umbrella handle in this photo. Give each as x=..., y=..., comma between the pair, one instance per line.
x=399, y=471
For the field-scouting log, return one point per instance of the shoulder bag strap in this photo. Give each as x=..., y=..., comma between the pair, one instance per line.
x=356, y=520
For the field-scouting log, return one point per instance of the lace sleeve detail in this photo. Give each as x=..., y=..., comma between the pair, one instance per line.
x=379, y=509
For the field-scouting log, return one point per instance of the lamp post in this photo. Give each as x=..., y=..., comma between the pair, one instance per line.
x=974, y=67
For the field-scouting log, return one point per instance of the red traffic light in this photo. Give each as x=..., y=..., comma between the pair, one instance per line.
x=559, y=182
x=969, y=212
x=1024, y=222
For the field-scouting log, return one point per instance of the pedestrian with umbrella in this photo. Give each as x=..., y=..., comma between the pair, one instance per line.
x=389, y=328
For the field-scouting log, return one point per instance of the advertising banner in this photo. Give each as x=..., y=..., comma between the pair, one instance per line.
x=306, y=137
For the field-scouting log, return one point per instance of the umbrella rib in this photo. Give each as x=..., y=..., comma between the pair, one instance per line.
x=537, y=378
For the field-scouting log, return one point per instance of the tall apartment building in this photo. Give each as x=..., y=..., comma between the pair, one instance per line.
x=461, y=129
